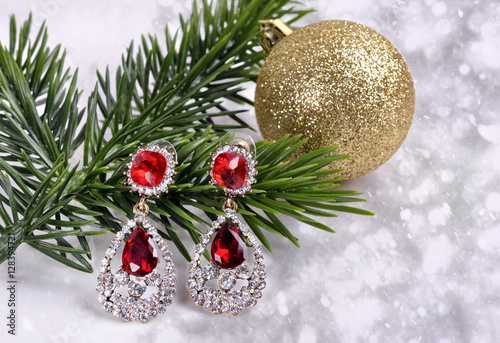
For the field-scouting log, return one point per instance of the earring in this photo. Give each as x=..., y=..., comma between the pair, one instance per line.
x=150, y=173
x=233, y=169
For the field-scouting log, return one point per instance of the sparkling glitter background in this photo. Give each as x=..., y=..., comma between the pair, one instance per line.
x=337, y=83
x=424, y=269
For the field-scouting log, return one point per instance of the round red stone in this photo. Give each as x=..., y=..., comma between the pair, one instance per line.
x=228, y=248
x=148, y=168
x=139, y=255
x=230, y=170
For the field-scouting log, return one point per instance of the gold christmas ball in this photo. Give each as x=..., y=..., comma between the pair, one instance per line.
x=337, y=83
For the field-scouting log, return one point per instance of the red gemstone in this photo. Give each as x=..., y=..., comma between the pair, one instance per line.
x=230, y=170
x=148, y=168
x=139, y=255
x=228, y=248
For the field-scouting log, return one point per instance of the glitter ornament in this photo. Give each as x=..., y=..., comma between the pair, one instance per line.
x=337, y=83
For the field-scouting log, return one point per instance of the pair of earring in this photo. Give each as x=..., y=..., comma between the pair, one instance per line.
x=150, y=173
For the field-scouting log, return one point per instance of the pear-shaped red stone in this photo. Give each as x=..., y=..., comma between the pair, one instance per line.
x=228, y=248
x=148, y=168
x=230, y=170
x=139, y=255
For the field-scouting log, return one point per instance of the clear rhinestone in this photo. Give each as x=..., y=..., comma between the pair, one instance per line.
x=109, y=286
x=193, y=264
x=243, y=305
x=221, y=219
x=100, y=288
x=120, y=235
x=116, y=298
x=136, y=289
x=173, y=281
x=211, y=271
x=252, y=239
x=126, y=229
x=100, y=278
x=200, y=248
x=251, y=164
x=169, y=265
x=108, y=278
x=162, y=245
x=198, y=299
x=224, y=307
x=144, y=317
x=162, y=308
x=244, y=271
x=257, y=249
x=226, y=280
x=196, y=256
x=207, y=304
x=115, y=243
x=257, y=294
x=234, y=310
x=116, y=312
x=126, y=316
x=139, y=217
x=121, y=278
x=167, y=255
x=131, y=223
x=167, y=301
x=193, y=292
x=152, y=313
x=192, y=272
x=102, y=299
x=260, y=266
x=261, y=284
x=146, y=224
x=154, y=278
x=244, y=230
x=252, y=302
x=204, y=239
x=215, y=309
x=191, y=283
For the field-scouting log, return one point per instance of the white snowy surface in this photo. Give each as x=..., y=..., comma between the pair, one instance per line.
x=424, y=269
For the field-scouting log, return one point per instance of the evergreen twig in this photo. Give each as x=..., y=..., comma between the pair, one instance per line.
x=172, y=90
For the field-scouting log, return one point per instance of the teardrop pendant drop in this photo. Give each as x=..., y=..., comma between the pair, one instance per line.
x=229, y=264
x=139, y=270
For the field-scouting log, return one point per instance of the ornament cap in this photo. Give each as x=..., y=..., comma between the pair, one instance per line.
x=272, y=32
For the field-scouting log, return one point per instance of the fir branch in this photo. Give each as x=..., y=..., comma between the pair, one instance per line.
x=172, y=91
